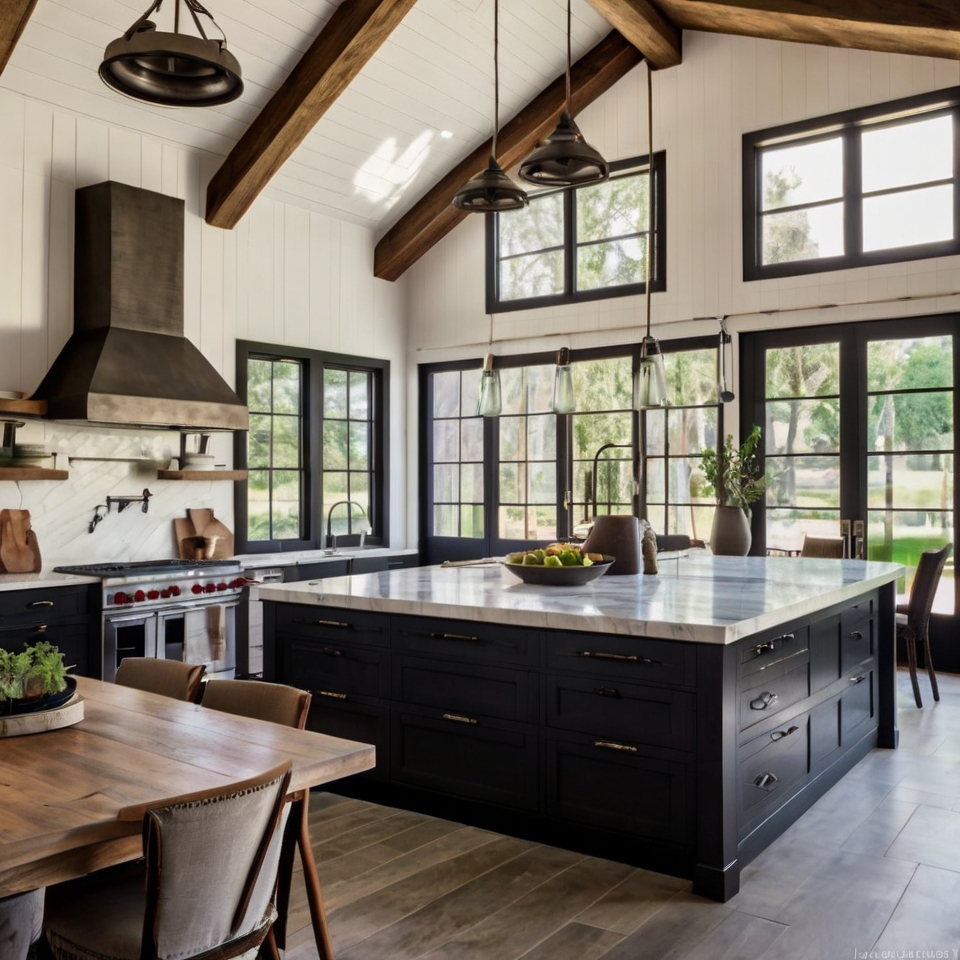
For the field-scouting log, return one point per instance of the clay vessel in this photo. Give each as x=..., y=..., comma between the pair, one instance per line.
x=619, y=536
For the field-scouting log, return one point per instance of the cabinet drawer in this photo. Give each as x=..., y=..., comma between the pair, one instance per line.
x=765, y=651
x=324, y=623
x=769, y=766
x=73, y=640
x=464, y=640
x=338, y=667
x=774, y=690
x=44, y=604
x=856, y=636
x=495, y=761
x=857, y=707
x=622, y=658
x=651, y=716
x=354, y=719
x=462, y=688
x=605, y=784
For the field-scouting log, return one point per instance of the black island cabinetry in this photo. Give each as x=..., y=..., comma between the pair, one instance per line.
x=684, y=757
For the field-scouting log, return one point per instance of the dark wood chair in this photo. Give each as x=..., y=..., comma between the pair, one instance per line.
x=288, y=706
x=828, y=548
x=913, y=617
x=169, y=678
x=165, y=906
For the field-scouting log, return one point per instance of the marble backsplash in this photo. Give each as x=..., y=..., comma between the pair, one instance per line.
x=61, y=510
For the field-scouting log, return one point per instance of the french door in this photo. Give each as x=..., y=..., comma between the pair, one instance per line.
x=860, y=439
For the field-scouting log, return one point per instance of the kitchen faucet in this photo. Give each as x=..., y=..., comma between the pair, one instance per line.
x=331, y=536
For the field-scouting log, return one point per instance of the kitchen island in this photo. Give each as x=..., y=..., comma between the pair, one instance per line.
x=680, y=721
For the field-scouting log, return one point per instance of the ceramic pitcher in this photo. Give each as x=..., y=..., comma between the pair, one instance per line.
x=617, y=535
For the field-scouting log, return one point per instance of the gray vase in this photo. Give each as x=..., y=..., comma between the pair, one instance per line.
x=730, y=535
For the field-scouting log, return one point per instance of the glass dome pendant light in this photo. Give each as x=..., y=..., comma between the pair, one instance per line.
x=565, y=159
x=492, y=190
x=489, y=399
x=649, y=381
x=172, y=69
x=564, y=398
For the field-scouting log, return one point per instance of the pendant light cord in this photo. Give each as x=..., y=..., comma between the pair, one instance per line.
x=648, y=287
x=496, y=75
x=569, y=105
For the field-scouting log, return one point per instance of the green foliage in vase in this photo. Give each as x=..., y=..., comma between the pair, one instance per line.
x=37, y=671
x=734, y=476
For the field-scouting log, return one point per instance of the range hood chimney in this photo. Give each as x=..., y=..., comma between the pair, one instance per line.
x=128, y=362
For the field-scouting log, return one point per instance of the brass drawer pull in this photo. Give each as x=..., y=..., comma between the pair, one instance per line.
x=610, y=745
x=855, y=635
x=330, y=693
x=780, y=734
x=766, y=781
x=330, y=652
x=329, y=623
x=40, y=628
x=859, y=679
x=40, y=603
x=763, y=701
x=624, y=657
x=607, y=691
x=453, y=636
x=459, y=718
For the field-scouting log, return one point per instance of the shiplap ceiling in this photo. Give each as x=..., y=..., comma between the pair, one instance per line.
x=416, y=109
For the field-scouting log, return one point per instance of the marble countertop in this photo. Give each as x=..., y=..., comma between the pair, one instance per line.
x=251, y=561
x=45, y=578
x=695, y=597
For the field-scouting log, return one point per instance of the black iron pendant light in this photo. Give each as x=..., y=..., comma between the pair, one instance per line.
x=172, y=69
x=565, y=159
x=492, y=190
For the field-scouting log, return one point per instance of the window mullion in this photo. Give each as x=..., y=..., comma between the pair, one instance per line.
x=569, y=242
x=853, y=192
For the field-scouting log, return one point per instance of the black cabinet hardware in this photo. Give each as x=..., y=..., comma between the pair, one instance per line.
x=610, y=745
x=626, y=657
x=327, y=623
x=330, y=652
x=453, y=636
x=606, y=691
x=859, y=679
x=766, y=781
x=763, y=701
x=459, y=718
x=780, y=734
x=40, y=603
x=855, y=635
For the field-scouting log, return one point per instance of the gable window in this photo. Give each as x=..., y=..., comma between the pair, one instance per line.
x=317, y=437
x=877, y=185
x=579, y=243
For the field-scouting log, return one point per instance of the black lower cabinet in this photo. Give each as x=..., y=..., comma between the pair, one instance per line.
x=354, y=718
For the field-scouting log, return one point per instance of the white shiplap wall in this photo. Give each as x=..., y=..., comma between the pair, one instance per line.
x=725, y=87
x=285, y=275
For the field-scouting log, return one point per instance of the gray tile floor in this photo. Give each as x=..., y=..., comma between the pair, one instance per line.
x=873, y=866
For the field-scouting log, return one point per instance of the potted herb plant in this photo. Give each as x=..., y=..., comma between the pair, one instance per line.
x=35, y=673
x=735, y=477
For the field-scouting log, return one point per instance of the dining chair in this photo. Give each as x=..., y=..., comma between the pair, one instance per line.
x=913, y=617
x=289, y=706
x=21, y=918
x=828, y=548
x=205, y=889
x=169, y=678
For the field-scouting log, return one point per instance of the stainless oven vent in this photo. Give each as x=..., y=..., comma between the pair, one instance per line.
x=128, y=362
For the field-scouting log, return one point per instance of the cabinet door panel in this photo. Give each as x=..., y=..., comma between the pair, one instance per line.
x=337, y=667
x=328, y=624
x=857, y=636
x=73, y=640
x=773, y=692
x=769, y=767
x=858, y=707
x=354, y=719
x=465, y=640
x=44, y=604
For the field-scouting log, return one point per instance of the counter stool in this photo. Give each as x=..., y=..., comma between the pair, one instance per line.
x=169, y=678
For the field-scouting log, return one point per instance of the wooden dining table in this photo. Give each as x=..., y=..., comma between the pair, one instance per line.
x=61, y=791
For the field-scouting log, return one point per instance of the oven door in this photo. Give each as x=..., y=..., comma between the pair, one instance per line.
x=127, y=635
x=210, y=636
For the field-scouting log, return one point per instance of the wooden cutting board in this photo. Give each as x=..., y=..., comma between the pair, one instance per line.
x=207, y=525
x=19, y=550
x=183, y=528
x=200, y=517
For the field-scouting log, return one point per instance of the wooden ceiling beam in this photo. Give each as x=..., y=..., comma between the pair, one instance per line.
x=347, y=41
x=929, y=28
x=646, y=28
x=433, y=217
x=14, y=15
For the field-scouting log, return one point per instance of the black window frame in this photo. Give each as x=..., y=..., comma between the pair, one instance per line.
x=569, y=245
x=847, y=124
x=314, y=522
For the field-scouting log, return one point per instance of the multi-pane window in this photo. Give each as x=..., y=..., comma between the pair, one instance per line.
x=868, y=186
x=579, y=243
x=275, y=482
x=315, y=449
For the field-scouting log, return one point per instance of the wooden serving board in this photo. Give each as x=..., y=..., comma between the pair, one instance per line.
x=43, y=720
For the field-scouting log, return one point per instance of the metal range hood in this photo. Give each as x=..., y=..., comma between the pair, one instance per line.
x=128, y=363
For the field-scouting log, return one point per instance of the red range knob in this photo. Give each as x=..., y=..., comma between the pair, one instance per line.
x=210, y=587
x=120, y=598
x=153, y=594
x=139, y=596
x=196, y=588
x=221, y=586
x=235, y=583
x=174, y=591
x=165, y=592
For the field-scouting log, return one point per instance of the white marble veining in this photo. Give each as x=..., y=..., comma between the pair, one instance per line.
x=695, y=597
x=46, y=578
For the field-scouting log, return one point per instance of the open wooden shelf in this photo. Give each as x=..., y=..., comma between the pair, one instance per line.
x=33, y=473
x=202, y=474
x=33, y=408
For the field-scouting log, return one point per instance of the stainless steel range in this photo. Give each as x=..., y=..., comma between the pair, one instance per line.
x=172, y=609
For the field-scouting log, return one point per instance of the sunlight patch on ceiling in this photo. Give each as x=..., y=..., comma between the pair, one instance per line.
x=387, y=173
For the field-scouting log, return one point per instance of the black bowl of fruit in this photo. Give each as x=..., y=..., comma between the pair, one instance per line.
x=558, y=565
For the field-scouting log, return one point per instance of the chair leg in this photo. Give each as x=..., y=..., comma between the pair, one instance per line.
x=270, y=946
x=314, y=897
x=911, y=643
x=928, y=660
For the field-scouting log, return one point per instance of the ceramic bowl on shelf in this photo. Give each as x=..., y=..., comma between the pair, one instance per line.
x=198, y=461
x=30, y=452
x=559, y=576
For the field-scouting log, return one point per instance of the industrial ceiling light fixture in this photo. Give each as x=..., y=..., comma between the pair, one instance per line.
x=492, y=190
x=564, y=398
x=172, y=69
x=649, y=382
x=565, y=159
x=724, y=363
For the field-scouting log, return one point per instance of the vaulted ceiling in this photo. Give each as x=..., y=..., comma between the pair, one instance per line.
x=375, y=112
